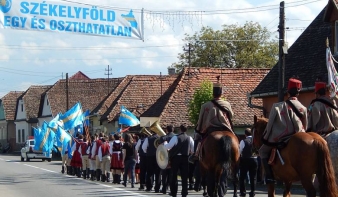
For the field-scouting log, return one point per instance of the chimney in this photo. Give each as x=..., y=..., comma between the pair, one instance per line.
x=171, y=71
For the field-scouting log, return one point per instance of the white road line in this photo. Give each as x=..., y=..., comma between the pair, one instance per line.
x=8, y=160
x=1, y=159
x=31, y=166
x=104, y=185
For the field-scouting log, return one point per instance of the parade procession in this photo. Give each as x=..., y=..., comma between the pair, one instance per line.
x=219, y=99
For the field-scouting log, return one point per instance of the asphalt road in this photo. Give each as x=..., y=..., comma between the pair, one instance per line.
x=37, y=178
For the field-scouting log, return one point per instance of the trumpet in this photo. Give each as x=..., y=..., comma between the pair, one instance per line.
x=155, y=127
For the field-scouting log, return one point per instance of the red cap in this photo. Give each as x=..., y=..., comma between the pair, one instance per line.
x=319, y=85
x=294, y=83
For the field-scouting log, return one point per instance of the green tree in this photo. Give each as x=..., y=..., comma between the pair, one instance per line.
x=201, y=95
x=247, y=46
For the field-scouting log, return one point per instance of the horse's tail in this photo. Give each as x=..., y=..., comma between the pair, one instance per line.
x=325, y=172
x=225, y=154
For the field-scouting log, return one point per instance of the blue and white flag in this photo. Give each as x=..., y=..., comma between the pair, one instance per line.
x=78, y=130
x=72, y=117
x=55, y=123
x=127, y=118
x=37, y=132
x=63, y=139
x=45, y=140
x=86, y=118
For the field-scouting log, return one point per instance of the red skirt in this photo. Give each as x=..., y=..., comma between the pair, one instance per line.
x=116, y=161
x=76, y=160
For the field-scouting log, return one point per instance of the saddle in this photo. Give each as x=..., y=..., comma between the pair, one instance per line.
x=278, y=146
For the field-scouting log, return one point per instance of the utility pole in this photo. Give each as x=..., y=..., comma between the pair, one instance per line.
x=67, y=93
x=161, y=81
x=189, y=50
x=281, y=61
x=108, y=73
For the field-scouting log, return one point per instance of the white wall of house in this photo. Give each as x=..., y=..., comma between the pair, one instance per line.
x=22, y=131
x=41, y=120
x=147, y=121
x=46, y=111
x=21, y=111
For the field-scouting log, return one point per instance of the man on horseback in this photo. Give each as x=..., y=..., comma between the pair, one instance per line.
x=286, y=118
x=322, y=114
x=215, y=115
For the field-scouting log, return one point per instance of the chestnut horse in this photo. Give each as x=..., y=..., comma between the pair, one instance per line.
x=305, y=154
x=220, y=161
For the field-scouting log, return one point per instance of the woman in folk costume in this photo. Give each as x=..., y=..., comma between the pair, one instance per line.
x=286, y=118
x=116, y=159
x=322, y=116
x=76, y=159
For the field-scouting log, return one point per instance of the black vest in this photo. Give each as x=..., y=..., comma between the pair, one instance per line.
x=182, y=146
x=167, y=137
x=140, y=150
x=151, y=150
x=247, y=150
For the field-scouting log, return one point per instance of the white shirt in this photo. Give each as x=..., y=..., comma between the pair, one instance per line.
x=173, y=142
x=138, y=144
x=100, y=151
x=242, y=145
x=145, y=145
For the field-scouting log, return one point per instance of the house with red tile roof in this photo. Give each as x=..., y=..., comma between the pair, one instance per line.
x=27, y=109
x=89, y=92
x=137, y=93
x=172, y=106
x=7, y=116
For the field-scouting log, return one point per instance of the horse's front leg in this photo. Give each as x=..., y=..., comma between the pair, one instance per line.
x=287, y=189
x=271, y=189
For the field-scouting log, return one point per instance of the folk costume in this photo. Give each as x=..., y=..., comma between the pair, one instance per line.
x=143, y=162
x=104, y=157
x=94, y=156
x=166, y=173
x=152, y=167
x=116, y=161
x=322, y=113
x=286, y=118
x=215, y=115
x=91, y=160
x=85, y=161
x=76, y=161
x=180, y=147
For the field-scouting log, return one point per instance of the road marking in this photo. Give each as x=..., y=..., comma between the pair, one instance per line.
x=104, y=185
x=31, y=166
x=1, y=159
x=8, y=160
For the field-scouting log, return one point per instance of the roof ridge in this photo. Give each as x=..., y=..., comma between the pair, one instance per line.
x=181, y=76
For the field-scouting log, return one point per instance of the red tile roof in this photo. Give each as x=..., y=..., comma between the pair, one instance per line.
x=9, y=102
x=238, y=82
x=139, y=94
x=79, y=76
x=32, y=99
x=89, y=92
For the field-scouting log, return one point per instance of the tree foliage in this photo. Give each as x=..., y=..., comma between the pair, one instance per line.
x=247, y=46
x=201, y=95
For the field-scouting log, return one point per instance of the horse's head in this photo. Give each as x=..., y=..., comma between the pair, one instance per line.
x=258, y=130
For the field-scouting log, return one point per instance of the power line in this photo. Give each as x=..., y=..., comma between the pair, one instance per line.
x=80, y=48
x=165, y=56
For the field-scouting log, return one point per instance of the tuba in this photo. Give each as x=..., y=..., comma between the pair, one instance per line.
x=144, y=131
x=156, y=128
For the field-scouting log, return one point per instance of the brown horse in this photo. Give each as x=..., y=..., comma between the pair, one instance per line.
x=220, y=161
x=305, y=154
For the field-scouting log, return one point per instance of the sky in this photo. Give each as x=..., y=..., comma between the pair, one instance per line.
x=41, y=58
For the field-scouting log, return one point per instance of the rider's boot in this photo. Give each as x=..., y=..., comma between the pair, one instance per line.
x=195, y=156
x=268, y=172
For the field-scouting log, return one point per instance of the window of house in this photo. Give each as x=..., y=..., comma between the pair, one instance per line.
x=1, y=134
x=47, y=102
x=23, y=135
x=21, y=107
x=19, y=136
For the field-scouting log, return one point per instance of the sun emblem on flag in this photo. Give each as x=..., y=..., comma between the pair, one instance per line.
x=5, y=5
